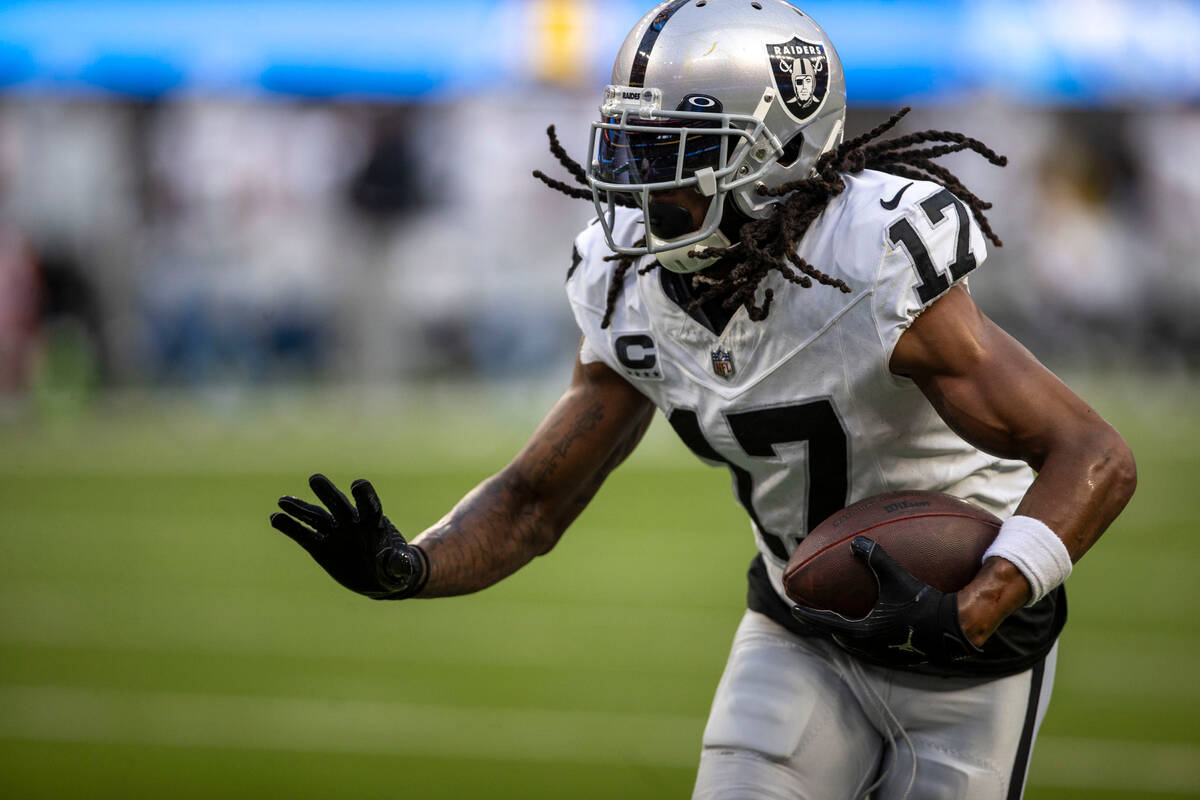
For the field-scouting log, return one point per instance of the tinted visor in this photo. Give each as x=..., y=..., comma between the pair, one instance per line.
x=639, y=157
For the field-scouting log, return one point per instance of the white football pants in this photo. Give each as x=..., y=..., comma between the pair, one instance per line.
x=798, y=719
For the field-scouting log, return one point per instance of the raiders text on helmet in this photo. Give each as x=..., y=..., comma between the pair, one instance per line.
x=721, y=96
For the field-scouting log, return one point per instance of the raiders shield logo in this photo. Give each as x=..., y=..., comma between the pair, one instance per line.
x=802, y=74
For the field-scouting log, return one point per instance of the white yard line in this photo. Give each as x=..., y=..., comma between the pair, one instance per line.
x=54, y=713
x=324, y=725
x=41, y=614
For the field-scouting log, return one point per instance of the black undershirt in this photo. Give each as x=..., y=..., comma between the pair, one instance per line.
x=682, y=290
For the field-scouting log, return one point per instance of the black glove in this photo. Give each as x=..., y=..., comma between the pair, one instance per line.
x=911, y=623
x=359, y=547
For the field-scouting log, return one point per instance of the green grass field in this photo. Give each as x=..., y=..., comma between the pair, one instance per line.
x=158, y=639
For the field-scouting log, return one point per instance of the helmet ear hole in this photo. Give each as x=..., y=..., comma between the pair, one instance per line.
x=791, y=150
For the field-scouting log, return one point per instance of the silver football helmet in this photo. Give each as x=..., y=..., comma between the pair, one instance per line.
x=725, y=97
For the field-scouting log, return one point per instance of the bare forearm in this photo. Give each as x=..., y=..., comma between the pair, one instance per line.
x=501, y=525
x=492, y=532
x=521, y=512
x=1081, y=488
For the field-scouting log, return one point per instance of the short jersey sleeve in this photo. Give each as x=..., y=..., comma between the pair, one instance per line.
x=587, y=353
x=587, y=286
x=929, y=245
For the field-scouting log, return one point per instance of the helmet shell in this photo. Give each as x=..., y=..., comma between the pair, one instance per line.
x=734, y=50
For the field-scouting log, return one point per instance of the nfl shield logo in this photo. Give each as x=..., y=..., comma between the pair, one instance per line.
x=802, y=75
x=722, y=362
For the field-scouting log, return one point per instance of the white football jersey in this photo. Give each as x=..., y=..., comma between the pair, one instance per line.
x=802, y=407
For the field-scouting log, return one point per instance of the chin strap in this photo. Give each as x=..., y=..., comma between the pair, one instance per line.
x=680, y=259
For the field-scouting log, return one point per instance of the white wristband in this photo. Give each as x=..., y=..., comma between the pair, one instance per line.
x=1036, y=551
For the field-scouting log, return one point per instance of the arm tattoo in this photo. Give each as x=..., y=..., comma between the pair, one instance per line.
x=584, y=423
x=622, y=451
x=487, y=536
x=510, y=518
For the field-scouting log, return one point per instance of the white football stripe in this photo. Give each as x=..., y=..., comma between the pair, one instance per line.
x=55, y=713
x=352, y=726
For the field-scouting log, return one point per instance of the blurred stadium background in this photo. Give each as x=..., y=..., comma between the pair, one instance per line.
x=244, y=241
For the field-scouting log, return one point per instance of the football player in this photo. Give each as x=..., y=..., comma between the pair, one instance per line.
x=797, y=307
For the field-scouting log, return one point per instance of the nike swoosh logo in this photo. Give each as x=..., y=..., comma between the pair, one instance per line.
x=890, y=205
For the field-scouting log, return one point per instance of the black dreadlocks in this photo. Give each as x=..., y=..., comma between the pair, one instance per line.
x=770, y=243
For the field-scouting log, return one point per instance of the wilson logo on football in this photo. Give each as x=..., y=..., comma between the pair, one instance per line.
x=802, y=74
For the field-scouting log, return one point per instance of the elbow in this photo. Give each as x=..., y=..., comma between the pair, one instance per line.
x=546, y=541
x=1128, y=471
x=1114, y=468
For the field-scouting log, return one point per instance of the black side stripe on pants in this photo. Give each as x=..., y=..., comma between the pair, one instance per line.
x=637, y=73
x=1016, y=784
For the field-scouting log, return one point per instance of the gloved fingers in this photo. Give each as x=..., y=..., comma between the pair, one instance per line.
x=862, y=547
x=370, y=510
x=887, y=571
x=950, y=622
x=333, y=498
x=302, y=535
x=308, y=513
x=828, y=620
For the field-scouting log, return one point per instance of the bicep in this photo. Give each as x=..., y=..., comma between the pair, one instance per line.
x=986, y=385
x=998, y=397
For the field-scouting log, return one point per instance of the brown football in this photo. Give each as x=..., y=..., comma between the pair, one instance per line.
x=938, y=538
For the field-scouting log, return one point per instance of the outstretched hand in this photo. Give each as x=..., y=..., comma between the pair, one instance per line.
x=355, y=543
x=911, y=622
